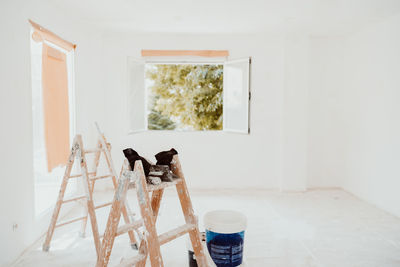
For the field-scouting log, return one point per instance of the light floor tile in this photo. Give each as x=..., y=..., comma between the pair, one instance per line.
x=312, y=229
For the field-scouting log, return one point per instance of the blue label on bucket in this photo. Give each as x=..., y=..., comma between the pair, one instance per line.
x=226, y=250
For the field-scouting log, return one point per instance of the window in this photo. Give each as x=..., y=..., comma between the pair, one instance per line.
x=184, y=96
x=189, y=96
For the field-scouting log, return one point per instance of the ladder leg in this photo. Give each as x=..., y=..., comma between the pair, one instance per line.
x=67, y=173
x=89, y=197
x=125, y=207
x=153, y=244
x=187, y=209
x=142, y=250
x=156, y=201
x=113, y=221
x=131, y=234
x=82, y=232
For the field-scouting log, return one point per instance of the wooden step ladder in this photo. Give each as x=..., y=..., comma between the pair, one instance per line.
x=151, y=242
x=88, y=179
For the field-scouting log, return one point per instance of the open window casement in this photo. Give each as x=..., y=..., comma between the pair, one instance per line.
x=236, y=96
x=136, y=100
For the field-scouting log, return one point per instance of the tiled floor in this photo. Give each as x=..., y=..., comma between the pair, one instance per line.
x=316, y=228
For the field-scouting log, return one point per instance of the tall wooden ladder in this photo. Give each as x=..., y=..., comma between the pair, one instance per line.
x=149, y=207
x=88, y=179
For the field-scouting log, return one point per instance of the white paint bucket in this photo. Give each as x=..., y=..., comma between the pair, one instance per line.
x=225, y=236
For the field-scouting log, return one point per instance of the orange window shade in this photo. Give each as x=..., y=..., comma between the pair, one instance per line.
x=55, y=106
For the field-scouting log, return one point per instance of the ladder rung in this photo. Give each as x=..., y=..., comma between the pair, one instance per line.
x=103, y=205
x=70, y=221
x=132, y=261
x=175, y=233
x=87, y=151
x=100, y=177
x=79, y=175
x=130, y=226
x=73, y=199
x=152, y=187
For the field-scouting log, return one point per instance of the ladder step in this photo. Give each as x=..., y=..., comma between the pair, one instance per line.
x=100, y=177
x=73, y=199
x=175, y=233
x=132, y=261
x=87, y=151
x=79, y=175
x=70, y=221
x=152, y=187
x=75, y=176
x=130, y=226
x=103, y=205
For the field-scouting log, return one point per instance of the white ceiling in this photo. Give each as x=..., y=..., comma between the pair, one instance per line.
x=317, y=17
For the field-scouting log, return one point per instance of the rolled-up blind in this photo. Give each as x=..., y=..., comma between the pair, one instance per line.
x=42, y=33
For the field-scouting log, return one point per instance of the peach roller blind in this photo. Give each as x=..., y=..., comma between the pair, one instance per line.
x=55, y=106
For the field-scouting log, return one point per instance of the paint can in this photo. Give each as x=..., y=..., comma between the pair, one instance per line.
x=225, y=237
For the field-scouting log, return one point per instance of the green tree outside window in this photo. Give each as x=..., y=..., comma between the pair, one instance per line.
x=184, y=96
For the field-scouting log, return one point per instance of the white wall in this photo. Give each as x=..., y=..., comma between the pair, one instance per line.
x=325, y=148
x=210, y=159
x=354, y=113
x=295, y=121
x=16, y=172
x=372, y=114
